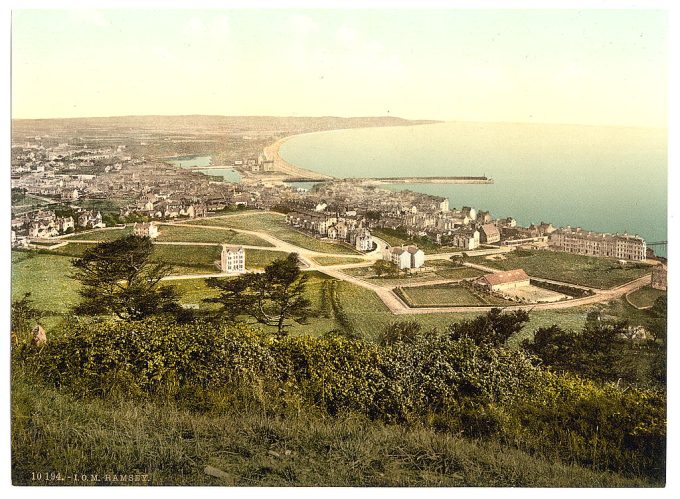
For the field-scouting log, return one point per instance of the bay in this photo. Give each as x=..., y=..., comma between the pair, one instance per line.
x=609, y=179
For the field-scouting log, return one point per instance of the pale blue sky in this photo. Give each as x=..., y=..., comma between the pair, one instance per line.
x=589, y=66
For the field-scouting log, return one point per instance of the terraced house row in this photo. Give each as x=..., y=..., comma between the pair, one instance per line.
x=580, y=242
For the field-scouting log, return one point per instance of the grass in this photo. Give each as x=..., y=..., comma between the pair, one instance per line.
x=275, y=224
x=259, y=259
x=170, y=233
x=644, y=297
x=434, y=270
x=101, y=234
x=72, y=249
x=46, y=278
x=54, y=431
x=575, y=269
x=189, y=259
x=332, y=260
x=442, y=295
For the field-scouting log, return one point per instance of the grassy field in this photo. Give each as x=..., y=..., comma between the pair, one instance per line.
x=333, y=260
x=275, y=225
x=644, y=297
x=101, y=234
x=46, y=278
x=397, y=238
x=173, y=444
x=189, y=259
x=434, y=270
x=170, y=233
x=447, y=295
x=259, y=259
x=575, y=269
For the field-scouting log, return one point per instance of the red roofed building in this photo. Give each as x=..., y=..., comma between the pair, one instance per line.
x=508, y=279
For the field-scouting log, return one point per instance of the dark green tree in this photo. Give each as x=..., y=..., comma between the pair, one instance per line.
x=598, y=351
x=492, y=329
x=381, y=267
x=400, y=332
x=120, y=277
x=271, y=298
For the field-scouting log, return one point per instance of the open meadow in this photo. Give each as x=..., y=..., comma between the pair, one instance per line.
x=433, y=270
x=644, y=297
x=448, y=295
x=106, y=234
x=588, y=271
x=340, y=305
x=275, y=224
x=171, y=233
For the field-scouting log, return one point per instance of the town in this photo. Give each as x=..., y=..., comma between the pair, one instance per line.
x=66, y=188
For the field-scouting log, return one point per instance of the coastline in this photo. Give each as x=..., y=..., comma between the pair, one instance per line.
x=280, y=165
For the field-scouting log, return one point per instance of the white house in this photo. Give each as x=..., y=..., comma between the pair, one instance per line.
x=233, y=259
x=364, y=240
x=405, y=257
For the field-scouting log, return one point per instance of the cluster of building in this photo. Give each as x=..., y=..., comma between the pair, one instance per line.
x=348, y=228
x=45, y=224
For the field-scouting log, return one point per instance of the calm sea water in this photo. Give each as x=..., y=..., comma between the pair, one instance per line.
x=600, y=178
x=228, y=174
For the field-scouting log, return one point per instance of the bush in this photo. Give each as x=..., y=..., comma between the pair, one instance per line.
x=453, y=382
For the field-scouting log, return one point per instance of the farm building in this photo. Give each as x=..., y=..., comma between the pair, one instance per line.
x=499, y=281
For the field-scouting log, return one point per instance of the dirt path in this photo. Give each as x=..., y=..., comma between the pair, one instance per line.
x=385, y=292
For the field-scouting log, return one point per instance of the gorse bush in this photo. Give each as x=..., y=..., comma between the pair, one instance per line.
x=453, y=382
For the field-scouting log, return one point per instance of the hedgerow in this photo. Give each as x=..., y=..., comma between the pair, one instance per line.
x=450, y=382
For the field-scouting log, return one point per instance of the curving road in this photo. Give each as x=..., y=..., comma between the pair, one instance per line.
x=384, y=291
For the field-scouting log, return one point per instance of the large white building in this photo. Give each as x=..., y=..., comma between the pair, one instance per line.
x=232, y=259
x=405, y=257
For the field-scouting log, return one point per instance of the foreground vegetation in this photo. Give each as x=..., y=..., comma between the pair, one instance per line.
x=452, y=397
x=254, y=444
x=574, y=269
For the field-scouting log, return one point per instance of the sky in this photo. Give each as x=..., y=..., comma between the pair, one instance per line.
x=596, y=67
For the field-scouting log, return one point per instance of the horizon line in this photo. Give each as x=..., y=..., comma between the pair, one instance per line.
x=601, y=125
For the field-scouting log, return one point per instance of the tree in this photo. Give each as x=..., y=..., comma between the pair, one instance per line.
x=120, y=277
x=400, y=332
x=657, y=322
x=271, y=298
x=381, y=267
x=598, y=351
x=492, y=329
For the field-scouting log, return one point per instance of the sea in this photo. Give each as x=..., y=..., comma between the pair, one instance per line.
x=605, y=179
